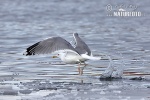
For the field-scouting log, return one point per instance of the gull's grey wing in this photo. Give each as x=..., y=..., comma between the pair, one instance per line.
x=49, y=46
x=81, y=46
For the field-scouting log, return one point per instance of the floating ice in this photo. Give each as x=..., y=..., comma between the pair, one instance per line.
x=119, y=70
x=111, y=71
x=108, y=72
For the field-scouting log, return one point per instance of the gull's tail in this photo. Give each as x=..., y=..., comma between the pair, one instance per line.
x=90, y=57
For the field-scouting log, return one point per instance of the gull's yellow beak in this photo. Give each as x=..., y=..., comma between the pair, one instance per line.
x=54, y=57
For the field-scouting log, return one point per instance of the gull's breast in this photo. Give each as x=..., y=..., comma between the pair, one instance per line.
x=72, y=58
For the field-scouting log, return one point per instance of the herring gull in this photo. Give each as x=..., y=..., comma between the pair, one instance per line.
x=64, y=50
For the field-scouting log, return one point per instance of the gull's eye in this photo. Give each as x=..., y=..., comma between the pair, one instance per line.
x=58, y=54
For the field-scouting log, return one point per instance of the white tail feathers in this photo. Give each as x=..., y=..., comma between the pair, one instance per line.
x=90, y=57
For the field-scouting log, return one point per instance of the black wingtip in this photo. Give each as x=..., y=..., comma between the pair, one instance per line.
x=31, y=50
x=28, y=53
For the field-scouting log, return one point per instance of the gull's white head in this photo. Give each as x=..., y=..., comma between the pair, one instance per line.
x=60, y=55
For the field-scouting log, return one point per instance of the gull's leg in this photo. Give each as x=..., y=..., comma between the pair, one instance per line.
x=79, y=69
x=82, y=68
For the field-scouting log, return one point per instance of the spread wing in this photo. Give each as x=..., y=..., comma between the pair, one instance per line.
x=50, y=45
x=81, y=47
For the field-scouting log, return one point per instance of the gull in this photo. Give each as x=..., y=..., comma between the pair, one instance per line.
x=64, y=50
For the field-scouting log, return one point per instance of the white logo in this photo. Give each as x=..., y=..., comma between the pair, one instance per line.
x=109, y=7
x=123, y=10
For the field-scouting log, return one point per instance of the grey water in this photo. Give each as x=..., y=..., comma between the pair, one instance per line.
x=25, y=22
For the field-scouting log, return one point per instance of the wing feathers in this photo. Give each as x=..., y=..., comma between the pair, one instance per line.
x=49, y=46
x=81, y=46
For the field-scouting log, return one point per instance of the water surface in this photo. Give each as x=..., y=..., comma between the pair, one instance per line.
x=25, y=22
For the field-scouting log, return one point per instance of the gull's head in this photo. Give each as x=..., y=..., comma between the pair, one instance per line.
x=59, y=55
